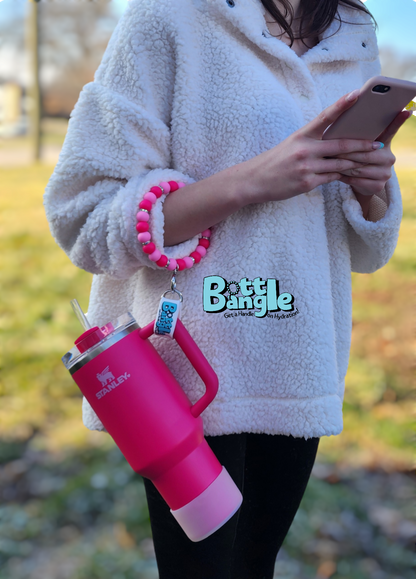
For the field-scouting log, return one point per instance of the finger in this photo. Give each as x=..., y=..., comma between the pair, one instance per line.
x=340, y=147
x=335, y=166
x=325, y=178
x=364, y=186
x=368, y=172
x=363, y=158
x=315, y=129
x=387, y=135
x=380, y=157
x=383, y=159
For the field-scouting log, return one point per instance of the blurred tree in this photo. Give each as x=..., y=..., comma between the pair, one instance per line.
x=34, y=89
x=74, y=38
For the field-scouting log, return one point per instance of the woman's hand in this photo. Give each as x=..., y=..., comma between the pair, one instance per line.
x=304, y=161
x=372, y=176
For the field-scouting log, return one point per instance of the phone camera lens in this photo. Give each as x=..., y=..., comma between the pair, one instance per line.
x=381, y=88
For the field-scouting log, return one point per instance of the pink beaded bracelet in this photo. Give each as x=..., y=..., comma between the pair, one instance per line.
x=145, y=206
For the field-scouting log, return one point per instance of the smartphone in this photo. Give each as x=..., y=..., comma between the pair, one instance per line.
x=380, y=100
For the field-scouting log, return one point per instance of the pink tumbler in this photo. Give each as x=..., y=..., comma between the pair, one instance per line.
x=151, y=420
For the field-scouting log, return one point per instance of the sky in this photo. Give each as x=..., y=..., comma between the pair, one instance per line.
x=9, y=8
x=397, y=21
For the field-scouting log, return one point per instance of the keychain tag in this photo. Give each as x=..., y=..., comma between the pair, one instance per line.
x=169, y=311
x=167, y=316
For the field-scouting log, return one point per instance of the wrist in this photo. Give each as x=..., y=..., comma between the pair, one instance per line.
x=242, y=188
x=364, y=201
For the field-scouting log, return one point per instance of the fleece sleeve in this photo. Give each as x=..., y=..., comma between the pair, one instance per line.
x=117, y=147
x=372, y=244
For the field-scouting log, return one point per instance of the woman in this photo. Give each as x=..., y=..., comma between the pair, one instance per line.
x=210, y=93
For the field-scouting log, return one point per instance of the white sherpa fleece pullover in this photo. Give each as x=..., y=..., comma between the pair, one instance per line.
x=187, y=88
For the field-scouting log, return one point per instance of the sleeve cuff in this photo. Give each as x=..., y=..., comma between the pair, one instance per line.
x=372, y=243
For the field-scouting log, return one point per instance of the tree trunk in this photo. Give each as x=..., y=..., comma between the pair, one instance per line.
x=34, y=91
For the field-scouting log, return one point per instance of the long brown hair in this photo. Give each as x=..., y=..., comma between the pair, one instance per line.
x=316, y=16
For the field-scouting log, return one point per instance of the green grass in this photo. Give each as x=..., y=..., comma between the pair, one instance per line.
x=408, y=185
x=36, y=321
x=405, y=138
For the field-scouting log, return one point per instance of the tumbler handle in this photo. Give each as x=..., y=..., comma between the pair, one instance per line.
x=198, y=361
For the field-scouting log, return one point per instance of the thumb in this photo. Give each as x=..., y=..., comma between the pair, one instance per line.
x=316, y=128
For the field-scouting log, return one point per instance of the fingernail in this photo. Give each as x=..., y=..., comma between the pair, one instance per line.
x=378, y=145
x=353, y=95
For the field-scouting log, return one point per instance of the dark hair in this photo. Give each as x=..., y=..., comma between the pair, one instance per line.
x=316, y=14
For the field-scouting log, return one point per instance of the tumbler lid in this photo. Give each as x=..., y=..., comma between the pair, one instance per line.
x=89, y=338
x=95, y=340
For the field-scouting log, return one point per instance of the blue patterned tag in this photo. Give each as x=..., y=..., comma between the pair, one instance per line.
x=167, y=315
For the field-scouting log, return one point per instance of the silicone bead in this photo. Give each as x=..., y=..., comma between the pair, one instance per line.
x=197, y=256
x=145, y=236
x=173, y=186
x=145, y=204
x=162, y=261
x=142, y=226
x=155, y=256
x=204, y=243
x=166, y=186
x=157, y=191
x=150, y=197
x=142, y=216
x=181, y=264
x=149, y=248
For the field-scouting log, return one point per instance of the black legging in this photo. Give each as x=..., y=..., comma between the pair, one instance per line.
x=272, y=472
